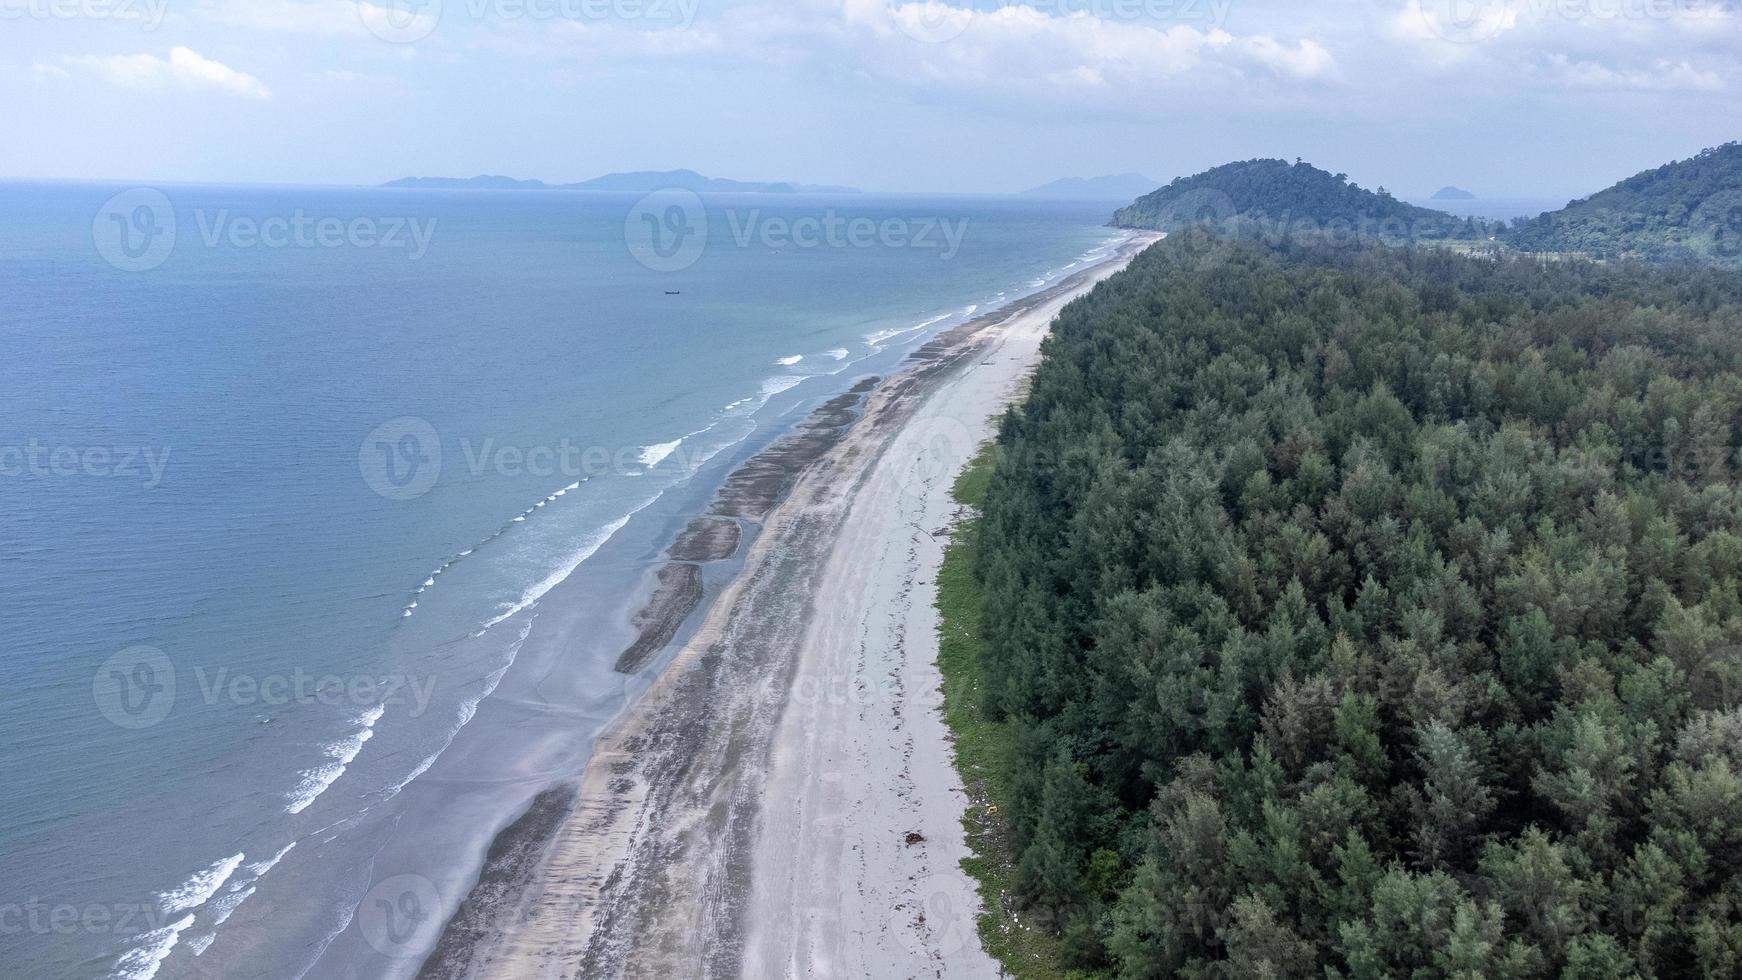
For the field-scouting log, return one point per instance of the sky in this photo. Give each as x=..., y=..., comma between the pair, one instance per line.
x=1507, y=98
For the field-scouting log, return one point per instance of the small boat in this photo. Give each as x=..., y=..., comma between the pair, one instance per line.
x=674, y=292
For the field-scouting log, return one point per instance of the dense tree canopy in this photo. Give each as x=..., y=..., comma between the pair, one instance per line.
x=1275, y=196
x=1686, y=211
x=1374, y=613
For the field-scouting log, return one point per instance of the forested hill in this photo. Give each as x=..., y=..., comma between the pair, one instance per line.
x=1283, y=196
x=1688, y=211
x=1376, y=613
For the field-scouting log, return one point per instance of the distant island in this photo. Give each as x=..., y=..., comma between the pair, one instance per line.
x=1450, y=193
x=1277, y=194
x=1121, y=186
x=633, y=182
x=1684, y=211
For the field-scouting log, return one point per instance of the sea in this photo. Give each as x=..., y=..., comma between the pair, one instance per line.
x=1508, y=209
x=289, y=476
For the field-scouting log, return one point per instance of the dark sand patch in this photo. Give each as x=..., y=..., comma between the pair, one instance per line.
x=678, y=594
x=764, y=480
x=497, y=898
x=749, y=493
x=707, y=539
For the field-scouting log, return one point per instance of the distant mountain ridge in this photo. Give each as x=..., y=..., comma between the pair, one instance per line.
x=633, y=182
x=1124, y=186
x=1450, y=193
x=1274, y=194
x=1684, y=211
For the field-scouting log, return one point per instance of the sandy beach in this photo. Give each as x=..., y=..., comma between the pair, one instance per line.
x=782, y=801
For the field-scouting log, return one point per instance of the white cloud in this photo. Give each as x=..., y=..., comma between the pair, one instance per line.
x=1307, y=59
x=1578, y=45
x=1013, y=48
x=1662, y=76
x=184, y=67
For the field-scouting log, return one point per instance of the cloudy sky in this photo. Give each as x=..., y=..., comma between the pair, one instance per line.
x=1505, y=97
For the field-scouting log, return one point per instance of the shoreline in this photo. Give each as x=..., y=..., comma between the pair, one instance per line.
x=652, y=869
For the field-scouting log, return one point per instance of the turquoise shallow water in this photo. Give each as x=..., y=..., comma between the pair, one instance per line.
x=262, y=494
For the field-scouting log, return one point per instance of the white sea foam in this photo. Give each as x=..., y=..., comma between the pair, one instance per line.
x=774, y=386
x=468, y=709
x=520, y=519
x=790, y=361
x=225, y=906
x=839, y=353
x=257, y=870
x=568, y=566
x=651, y=455
x=881, y=337
x=343, y=752
x=194, y=892
x=142, y=961
x=770, y=387
x=199, y=943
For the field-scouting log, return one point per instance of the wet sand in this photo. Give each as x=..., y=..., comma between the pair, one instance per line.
x=782, y=801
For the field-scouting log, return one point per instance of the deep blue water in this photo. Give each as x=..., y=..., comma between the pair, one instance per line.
x=228, y=468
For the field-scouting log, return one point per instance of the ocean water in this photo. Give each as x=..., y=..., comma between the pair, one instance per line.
x=1509, y=209
x=289, y=476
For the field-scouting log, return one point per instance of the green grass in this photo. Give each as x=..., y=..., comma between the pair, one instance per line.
x=981, y=744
